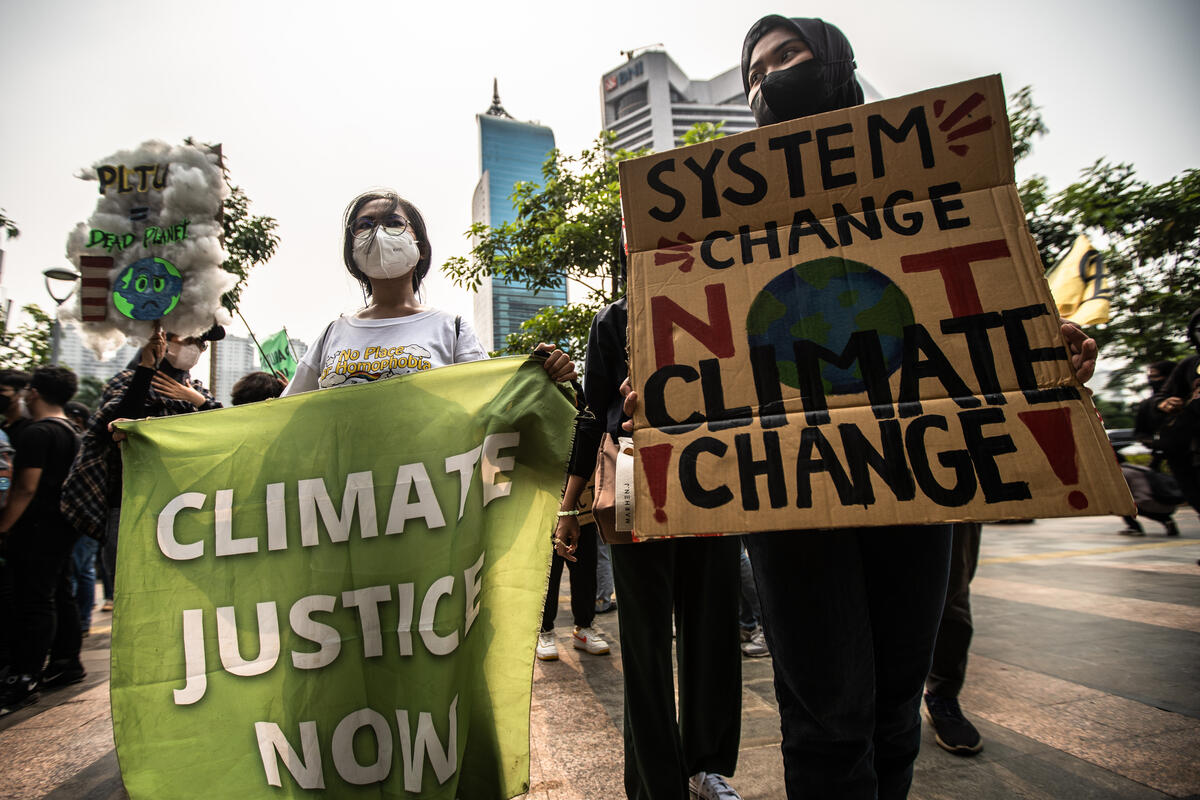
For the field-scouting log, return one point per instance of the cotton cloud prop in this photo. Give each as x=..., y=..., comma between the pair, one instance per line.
x=157, y=201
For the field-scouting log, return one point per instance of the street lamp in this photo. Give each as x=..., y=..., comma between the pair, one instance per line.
x=65, y=280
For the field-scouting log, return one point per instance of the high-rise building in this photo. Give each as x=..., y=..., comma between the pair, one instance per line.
x=649, y=102
x=509, y=151
x=79, y=357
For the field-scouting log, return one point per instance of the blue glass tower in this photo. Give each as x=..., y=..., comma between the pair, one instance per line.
x=509, y=151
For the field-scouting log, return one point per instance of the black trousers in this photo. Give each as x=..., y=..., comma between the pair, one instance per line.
x=583, y=582
x=1183, y=467
x=949, y=669
x=45, y=614
x=695, y=582
x=1134, y=524
x=850, y=617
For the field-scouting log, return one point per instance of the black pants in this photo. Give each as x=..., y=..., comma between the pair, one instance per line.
x=696, y=581
x=45, y=612
x=850, y=617
x=1133, y=523
x=583, y=582
x=949, y=669
x=1183, y=468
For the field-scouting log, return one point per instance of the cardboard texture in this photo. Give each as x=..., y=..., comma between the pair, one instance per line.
x=843, y=321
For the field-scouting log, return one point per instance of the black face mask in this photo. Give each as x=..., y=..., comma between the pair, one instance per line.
x=791, y=93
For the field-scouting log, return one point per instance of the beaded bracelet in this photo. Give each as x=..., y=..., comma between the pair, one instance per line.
x=574, y=512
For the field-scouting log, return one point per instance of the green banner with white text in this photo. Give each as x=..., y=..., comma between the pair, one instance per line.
x=337, y=594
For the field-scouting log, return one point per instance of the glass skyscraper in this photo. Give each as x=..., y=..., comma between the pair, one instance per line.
x=509, y=151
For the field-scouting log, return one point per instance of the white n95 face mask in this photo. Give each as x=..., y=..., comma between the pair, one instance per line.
x=183, y=356
x=386, y=255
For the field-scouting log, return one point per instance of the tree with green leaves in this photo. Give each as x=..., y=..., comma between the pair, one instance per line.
x=250, y=240
x=1148, y=234
x=565, y=228
x=90, y=391
x=30, y=345
x=9, y=227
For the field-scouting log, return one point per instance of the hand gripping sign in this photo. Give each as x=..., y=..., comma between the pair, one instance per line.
x=842, y=321
x=151, y=252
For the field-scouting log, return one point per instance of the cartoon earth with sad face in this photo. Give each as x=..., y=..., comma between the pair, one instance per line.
x=825, y=301
x=148, y=289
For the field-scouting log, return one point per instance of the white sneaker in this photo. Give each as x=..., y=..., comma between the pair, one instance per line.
x=547, y=650
x=756, y=645
x=588, y=639
x=710, y=786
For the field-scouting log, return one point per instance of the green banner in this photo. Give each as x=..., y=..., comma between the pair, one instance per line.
x=338, y=594
x=276, y=356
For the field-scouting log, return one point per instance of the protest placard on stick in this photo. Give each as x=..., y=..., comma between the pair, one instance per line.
x=842, y=320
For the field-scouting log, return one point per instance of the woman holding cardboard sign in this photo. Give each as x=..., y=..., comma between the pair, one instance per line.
x=851, y=616
x=385, y=247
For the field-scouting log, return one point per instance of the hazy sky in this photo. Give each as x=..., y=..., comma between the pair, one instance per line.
x=314, y=102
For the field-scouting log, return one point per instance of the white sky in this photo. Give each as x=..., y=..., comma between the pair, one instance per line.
x=315, y=101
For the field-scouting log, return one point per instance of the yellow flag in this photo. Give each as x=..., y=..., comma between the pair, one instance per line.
x=1079, y=284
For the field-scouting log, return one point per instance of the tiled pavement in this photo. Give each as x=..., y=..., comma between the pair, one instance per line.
x=1084, y=681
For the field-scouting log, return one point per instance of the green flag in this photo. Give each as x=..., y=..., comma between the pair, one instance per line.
x=276, y=356
x=338, y=594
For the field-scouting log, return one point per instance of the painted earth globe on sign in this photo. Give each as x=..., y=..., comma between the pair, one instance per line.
x=825, y=301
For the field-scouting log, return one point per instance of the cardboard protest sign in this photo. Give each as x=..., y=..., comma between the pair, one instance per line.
x=338, y=594
x=842, y=320
x=152, y=248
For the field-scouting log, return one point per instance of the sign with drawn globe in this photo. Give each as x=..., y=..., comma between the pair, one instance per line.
x=148, y=289
x=151, y=253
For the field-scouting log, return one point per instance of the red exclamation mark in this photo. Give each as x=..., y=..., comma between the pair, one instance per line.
x=1052, y=429
x=655, y=460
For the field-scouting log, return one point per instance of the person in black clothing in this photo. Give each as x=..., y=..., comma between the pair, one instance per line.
x=12, y=383
x=38, y=540
x=581, y=563
x=693, y=582
x=157, y=383
x=1149, y=419
x=1179, y=400
x=851, y=615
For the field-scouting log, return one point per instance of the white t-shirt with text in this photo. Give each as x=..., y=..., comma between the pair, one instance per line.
x=354, y=350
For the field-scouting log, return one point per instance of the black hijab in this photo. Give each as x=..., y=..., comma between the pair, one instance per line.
x=828, y=79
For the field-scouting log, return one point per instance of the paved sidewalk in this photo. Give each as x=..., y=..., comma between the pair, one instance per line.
x=1084, y=680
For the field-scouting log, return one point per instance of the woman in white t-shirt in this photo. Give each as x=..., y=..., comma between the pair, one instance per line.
x=386, y=248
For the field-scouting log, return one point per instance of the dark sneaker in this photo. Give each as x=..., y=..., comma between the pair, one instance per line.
x=954, y=732
x=17, y=692
x=1172, y=528
x=63, y=673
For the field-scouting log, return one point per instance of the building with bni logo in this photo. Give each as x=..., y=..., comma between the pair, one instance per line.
x=649, y=102
x=509, y=151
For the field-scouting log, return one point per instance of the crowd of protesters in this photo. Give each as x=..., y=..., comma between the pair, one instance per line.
x=862, y=623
